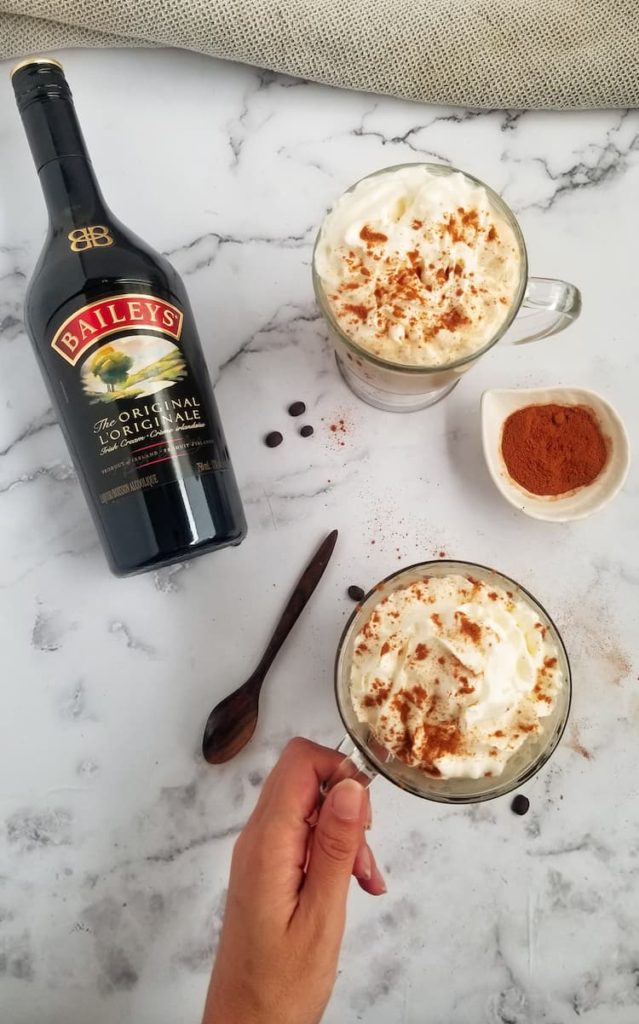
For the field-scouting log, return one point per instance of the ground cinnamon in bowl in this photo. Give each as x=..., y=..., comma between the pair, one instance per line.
x=552, y=450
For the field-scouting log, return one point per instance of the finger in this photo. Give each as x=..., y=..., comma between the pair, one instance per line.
x=314, y=815
x=279, y=826
x=369, y=812
x=293, y=786
x=336, y=840
x=374, y=884
x=363, y=866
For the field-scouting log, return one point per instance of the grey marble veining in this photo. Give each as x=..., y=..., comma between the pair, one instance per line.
x=115, y=837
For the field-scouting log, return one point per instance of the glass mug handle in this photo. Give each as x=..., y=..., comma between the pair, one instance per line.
x=548, y=307
x=354, y=766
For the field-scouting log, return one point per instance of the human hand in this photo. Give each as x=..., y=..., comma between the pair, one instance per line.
x=286, y=905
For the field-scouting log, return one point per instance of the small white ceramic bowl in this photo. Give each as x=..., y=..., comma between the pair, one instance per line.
x=497, y=406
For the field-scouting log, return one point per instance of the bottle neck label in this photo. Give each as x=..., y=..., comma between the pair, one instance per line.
x=137, y=400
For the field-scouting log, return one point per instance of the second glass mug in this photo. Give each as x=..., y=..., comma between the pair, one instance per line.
x=542, y=306
x=365, y=758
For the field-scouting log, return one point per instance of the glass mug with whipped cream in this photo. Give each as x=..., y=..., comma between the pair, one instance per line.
x=419, y=269
x=452, y=682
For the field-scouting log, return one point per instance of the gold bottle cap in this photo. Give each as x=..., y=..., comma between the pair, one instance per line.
x=35, y=60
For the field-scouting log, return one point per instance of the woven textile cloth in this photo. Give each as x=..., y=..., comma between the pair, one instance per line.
x=475, y=53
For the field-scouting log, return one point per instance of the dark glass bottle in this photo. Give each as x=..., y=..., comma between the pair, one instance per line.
x=114, y=334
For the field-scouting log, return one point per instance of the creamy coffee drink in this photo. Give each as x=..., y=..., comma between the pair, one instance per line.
x=453, y=675
x=419, y=268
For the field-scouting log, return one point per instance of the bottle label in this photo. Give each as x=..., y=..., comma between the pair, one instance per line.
x=140, y=415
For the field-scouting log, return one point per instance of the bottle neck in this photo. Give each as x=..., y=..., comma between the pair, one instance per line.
x=68, y=181
x=72, y=193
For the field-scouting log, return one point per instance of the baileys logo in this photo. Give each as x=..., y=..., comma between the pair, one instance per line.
x=112, y=315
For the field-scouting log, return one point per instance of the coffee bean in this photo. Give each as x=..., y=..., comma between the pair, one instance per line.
x=296, y=409
x=306, y=431
x=520, y=804
x=273, y=439
x=356, y=593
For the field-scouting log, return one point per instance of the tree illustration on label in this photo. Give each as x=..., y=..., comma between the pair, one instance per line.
x=111, y=366
x=132, y=367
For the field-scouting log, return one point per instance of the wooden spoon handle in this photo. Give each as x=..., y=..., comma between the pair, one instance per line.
x=297, y=602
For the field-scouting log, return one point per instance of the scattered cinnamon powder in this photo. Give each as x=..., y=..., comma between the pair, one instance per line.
x=540, y=694
x=453, y=319
x=380, y=695
x=403, y=282
x=361, y=312
x=595, y=639
x=432, y=742
x=462, y=225
x=465, y=685
x=401, y=705
x=575, y=743
x=338, y=429
x=368, y=235
x=469, y=628
x=403, y=298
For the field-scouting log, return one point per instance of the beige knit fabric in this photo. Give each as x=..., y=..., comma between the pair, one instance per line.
x=477, y=53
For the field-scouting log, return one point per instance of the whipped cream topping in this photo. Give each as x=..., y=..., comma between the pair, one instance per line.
x=452, y=675
x=418, y=268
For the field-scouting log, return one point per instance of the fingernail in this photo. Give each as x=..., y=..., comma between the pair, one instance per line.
x=347, y=800
x=366, y=864
x=369, y=817
x=381, y=882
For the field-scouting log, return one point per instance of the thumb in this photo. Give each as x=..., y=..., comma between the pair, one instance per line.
x=337, y=838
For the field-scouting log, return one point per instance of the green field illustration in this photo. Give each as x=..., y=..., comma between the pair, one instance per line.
x=131, y=368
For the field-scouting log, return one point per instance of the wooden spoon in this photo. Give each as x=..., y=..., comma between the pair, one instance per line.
x=232, y=722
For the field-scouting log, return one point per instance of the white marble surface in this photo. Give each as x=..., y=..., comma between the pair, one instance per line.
x=115, y=836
